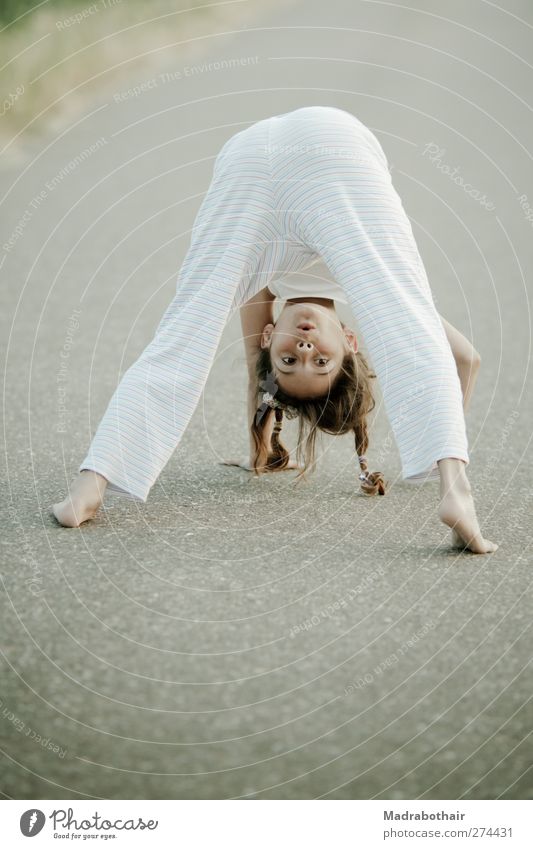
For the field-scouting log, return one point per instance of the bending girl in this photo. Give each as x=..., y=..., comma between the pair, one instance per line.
x=287, y=190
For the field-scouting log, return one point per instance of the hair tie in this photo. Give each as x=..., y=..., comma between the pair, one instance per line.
x=268, y=400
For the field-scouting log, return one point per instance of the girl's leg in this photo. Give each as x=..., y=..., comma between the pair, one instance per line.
x=348, y=211
x=158, y=394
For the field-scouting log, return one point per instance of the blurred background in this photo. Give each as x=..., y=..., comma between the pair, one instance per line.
x=231, y=637
x=63, y=53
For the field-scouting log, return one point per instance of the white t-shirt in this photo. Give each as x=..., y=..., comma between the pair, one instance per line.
x=301, y=286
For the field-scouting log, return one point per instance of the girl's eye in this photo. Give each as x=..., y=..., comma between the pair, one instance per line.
x=288, y=360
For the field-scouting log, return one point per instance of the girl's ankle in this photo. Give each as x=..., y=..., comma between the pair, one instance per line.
x=453, y=476
x=92, y=479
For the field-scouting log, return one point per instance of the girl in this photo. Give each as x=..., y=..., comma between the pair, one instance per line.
x=287, y=190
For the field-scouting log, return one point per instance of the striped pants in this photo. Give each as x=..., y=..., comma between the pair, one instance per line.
x=286, y=191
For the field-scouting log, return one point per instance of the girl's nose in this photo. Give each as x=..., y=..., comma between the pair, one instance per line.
x=304, y=345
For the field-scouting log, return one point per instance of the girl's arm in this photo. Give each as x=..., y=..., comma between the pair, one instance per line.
x=467, y=360
x=255, y=314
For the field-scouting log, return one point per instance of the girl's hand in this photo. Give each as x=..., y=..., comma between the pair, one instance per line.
x=244, y=463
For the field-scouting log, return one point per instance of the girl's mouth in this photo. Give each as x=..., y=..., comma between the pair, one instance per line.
x=306, y=325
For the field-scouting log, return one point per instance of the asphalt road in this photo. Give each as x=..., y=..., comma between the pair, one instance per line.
x=241, y=638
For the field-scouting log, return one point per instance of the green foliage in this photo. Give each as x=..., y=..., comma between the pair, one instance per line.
x=10, y=10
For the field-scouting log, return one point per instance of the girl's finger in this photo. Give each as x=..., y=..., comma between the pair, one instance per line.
x=244, y=463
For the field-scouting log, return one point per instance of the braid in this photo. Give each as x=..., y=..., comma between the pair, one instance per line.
x=278, y=456
x=372, y=483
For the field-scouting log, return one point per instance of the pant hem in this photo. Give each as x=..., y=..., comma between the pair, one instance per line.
x=114, y=487
x=432, y=473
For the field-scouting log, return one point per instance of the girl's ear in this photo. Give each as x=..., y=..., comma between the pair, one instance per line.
x=351, y=337
x=266, y=335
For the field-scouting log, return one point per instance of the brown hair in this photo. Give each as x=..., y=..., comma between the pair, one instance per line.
x=345, y=408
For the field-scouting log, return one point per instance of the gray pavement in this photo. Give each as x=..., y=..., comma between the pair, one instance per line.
x=242, y=638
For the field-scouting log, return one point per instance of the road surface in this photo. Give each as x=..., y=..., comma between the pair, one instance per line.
x=234, y=638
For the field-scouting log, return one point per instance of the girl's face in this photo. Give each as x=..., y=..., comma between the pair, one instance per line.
x=307, y=346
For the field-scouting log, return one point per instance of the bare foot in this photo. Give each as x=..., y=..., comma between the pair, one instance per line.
x=83, y=501
x=457, y=508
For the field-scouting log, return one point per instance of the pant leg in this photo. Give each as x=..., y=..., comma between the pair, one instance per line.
x=346, y=208
x=150, y=409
